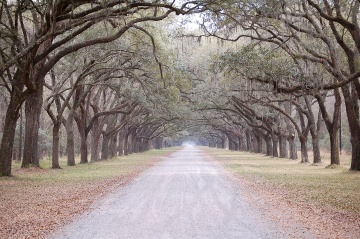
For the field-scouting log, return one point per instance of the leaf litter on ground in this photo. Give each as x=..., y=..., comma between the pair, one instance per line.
x=36, y=202
x=298, y=198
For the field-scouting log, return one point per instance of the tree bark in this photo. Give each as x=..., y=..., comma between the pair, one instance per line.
x=20, y=136
x=315, y=140
x=303, y=137
x=33, y=106
x=355, y=162
x=136, y=145
x=56, y=145
x=282, y=147
x=81, y=124
x=70, y=143
x=304, y=150
x=112, y=146
x=158, y=143
x=275, y=142
x=105, y=147
x=314, y=128
x=334, y=148
x=83, y=148
x=269, y=145
x=130, y=142
x=248, y=141
x=241, y=143
x=7, y=141
x=335, y=126
x=121, y=142
x=258, y=144
x=17, y=98
x=352, y=111
x=292, y=147
x=95, y=140
x=126, y=144
x=146, y=144
x=316, y=149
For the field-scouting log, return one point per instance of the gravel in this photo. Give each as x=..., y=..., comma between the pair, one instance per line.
x=183, y=196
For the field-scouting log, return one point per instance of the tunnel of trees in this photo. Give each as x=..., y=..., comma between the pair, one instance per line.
x=99, y=79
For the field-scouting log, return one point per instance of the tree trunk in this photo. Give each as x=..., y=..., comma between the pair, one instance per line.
x=56, y=145
x=70, y=143
x=158, y=143
x=112, y=146
x=334, y=148
x=136, y=148
x=146, y=144
x=352, y=111
x=231, y=144
x=14, y=155
x=355, y=162
x=134, y=144
x=335, y=126
x=7, y=141
x=126, y=144
x=248, y=141
x=292, y=147
x=222, y=144
x=20, y=136
x=314, y=132
x=129, y=143
x=81, y=124
x=236, y=143
x=95, y=140
x=33, y=106
x=17, y=98
x=316, y=149
x=282, y=147
x=241, y=143
x=269, y=146
x=275, y=142
x=105, y=147
x=121, y=142
x=141, y=145
x=304, y=150
x=161, y=144
x=83, y=148
x=258, y=144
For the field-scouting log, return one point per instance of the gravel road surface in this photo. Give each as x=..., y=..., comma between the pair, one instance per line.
x=184, y=196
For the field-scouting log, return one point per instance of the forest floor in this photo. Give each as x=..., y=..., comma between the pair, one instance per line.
x=324, y=199
x=36, y=201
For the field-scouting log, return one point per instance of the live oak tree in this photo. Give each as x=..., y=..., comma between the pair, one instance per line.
x=262, y=66
x=324, y=34
x=130, y=84
x=62, y=88
x=38, y=34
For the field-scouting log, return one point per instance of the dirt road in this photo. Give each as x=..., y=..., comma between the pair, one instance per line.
x=184, y=196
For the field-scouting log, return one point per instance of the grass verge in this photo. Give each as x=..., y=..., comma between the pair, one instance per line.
x=36, y=202
x=324, y=199
x=336, y=187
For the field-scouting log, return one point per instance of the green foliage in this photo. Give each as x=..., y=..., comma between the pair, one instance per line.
x=255, y=61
